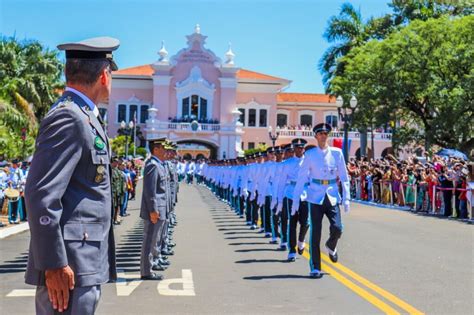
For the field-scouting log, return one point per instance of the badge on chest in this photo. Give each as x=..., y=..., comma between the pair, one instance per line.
x=100, y=173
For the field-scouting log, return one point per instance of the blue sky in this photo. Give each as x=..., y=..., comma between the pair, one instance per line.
x=277, y=37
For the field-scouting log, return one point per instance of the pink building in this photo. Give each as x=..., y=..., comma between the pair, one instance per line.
x=196, y=99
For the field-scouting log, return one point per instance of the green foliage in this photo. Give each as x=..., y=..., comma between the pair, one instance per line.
x=142, y=151
x=31, y=73
x=118, y=146
x=29, y=78
x=422, y=75
x=348, y=30
x=260, y=148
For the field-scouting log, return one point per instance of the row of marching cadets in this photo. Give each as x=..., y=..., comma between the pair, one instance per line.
x=285, y=187
x=160, y=195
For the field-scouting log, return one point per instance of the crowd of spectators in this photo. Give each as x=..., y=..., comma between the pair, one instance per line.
x=190, y=119
x=437, y=185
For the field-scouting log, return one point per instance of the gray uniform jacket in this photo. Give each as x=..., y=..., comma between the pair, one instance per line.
x=155, y=192
x=69, y=206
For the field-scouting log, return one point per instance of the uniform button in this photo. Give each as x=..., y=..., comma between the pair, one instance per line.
x=86, y=236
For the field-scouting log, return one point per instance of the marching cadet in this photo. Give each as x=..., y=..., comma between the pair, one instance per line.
x=265, y=176
x=68, y=193
x=323, y=166
x=154, y=210
x=286, y=186
x=279, y=226
x=252, y=191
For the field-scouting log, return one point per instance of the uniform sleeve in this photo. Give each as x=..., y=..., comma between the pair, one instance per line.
x=280, y=188
x=305, y=166
x=344, y=178
x=150, y=182
x=59, y=147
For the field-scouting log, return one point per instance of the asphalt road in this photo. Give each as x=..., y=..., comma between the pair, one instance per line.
x=390, y=262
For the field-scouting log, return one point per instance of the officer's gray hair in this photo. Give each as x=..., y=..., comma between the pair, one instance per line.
x=84, y=71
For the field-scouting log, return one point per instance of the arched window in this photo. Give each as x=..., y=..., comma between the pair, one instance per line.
x=143, y=114
x=122, y=113
x=282, y=120
x=331, y=120
x=306, y=120
x=194, y=107
x=252, y=117
x=242, y=116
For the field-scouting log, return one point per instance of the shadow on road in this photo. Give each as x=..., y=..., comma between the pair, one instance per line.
x=251, y=261
x=278, y=277
x=18, y=264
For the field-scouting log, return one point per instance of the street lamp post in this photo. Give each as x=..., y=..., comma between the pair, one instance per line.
x=346, y=114
x=127, y=130
x=272, y=136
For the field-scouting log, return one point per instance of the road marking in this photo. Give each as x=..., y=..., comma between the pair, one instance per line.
x=186, y=280
x=389, y=296
x=22, y=293
x=359, y=290
x=384, y=307
x=126, y=284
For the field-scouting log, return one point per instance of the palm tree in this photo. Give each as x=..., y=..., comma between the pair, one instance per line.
x=29, y=76
x=346, y=31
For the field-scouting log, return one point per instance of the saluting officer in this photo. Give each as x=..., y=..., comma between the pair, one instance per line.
x=68, y=193
x=322, y=167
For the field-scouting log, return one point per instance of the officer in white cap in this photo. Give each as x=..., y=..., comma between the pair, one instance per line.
x=323, y=167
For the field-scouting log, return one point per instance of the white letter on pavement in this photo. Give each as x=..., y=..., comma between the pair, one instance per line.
x=124, y=287
x=186, y=281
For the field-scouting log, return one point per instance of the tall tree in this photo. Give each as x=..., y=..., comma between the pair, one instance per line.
x=346, y=31
x=30, y=76
x=422, y=74
x=405, y=11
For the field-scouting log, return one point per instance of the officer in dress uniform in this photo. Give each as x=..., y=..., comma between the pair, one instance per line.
x=286, y=186
x=154, y=210
x=68, y=192
x=322, y=167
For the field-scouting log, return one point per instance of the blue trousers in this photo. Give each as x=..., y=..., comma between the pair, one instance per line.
x=316, y=213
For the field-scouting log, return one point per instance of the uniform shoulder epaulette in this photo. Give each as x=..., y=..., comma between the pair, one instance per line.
x=67, y=102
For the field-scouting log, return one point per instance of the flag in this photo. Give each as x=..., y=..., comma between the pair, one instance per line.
x=339, y=143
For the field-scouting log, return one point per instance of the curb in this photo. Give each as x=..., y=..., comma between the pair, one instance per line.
x=8, y=231
x=378, y=205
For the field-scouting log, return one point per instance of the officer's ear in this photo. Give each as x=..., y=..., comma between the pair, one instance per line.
x=105, y=76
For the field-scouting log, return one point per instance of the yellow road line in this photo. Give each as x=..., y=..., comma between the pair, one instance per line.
x=384, y=307
x=389, y=296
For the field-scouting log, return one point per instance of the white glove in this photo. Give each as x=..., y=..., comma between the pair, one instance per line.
x=347, y=208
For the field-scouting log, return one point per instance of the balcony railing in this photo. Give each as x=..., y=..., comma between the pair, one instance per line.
x=186, y=127
x=338, y=134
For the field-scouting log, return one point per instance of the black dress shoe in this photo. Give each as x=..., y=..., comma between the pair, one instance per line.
x=316, y=275
x=291, y=259
x=170, y=244
x=153, y=276
x=167, y=252
x=331, y=256
x=163, y=262
x=300, y=251
x=158, y=267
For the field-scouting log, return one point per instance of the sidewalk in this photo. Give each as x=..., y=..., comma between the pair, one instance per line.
x=12, y=229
